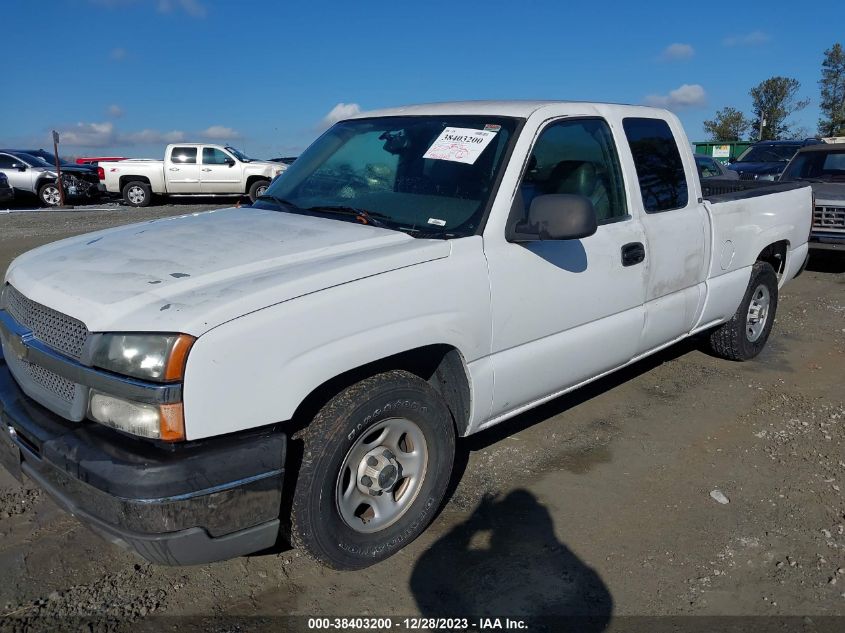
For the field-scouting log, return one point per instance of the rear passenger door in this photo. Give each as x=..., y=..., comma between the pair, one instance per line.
x=676, y=225
x=565, y=311
x=181, y=170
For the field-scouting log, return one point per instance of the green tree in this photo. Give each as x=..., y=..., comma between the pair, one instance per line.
x=729, y=124
x=774, y=101
x=832, y=85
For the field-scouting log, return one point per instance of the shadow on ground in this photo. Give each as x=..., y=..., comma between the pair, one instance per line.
x=505, y=561
x=827, y=261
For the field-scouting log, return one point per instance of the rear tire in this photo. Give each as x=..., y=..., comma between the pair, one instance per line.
x=376, y=464
x=49, y=195
x=745, y=335
x=137, y=194
x=257, y=188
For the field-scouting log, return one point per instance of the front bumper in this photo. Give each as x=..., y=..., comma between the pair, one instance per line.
x=827, y=241
x=174, y=505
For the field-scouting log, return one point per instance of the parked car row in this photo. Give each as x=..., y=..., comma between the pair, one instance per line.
x=33, y=174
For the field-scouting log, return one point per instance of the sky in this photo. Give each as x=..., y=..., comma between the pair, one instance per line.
x=126, y=77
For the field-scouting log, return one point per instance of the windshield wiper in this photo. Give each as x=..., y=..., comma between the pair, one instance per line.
x=283, y=204
x=369, y=217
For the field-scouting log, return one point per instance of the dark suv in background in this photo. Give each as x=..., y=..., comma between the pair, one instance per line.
x=823, y=166
x=766, y=160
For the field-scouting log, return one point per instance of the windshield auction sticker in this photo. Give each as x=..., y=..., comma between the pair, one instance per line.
x=460, y=144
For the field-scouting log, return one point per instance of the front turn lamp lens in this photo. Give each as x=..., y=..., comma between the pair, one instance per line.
x=159, y=422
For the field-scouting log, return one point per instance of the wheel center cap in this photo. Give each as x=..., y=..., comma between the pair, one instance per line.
x=378, y=472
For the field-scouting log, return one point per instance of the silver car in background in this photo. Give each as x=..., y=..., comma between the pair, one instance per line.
x=32, y=174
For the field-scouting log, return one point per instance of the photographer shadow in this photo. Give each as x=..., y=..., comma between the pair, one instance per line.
x=505, y=561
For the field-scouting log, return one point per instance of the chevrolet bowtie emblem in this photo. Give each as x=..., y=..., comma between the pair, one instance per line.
x=18, y=346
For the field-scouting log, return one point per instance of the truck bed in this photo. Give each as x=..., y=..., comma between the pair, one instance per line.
x=724, y=190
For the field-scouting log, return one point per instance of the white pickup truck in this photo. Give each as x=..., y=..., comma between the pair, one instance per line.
x=190, y=169
x=195, y=387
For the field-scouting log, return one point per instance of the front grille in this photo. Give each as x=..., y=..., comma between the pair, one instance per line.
x=61, y=332
x=52, y=382
x=829, y=218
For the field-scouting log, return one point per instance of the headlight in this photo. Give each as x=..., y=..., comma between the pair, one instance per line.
x=156, y=357
x=160, y=422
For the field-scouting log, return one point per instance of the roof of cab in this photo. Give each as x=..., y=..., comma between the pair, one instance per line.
x=515, y=108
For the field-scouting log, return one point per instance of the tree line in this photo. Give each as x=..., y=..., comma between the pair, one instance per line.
x=775, y=100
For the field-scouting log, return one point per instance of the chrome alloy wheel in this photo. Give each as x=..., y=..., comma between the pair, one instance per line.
x=136, y=194
x=758, y=313
x=51, y=196
x=381, y=475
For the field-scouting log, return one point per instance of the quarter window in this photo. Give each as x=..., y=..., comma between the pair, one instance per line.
x=577, y=157
x=660, y=171
x=184, y=155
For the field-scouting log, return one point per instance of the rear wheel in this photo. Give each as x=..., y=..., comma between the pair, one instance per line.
x=258, y=188
x=376, y=464
x=137, y=194
x=745, y=335
x=49, y=195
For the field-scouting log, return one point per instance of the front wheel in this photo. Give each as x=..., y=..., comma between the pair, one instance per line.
x=745, y=335
x=49, y=195
x=258, y=188
x=376, y=464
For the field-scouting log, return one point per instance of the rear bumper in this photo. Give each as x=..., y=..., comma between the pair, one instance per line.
x=175, y=505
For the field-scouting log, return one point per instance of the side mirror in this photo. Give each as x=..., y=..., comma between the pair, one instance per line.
x=732, y=159
x=557, y=216
x=21, y=167
x=230, y=162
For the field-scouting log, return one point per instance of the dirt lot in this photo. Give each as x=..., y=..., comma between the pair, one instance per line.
x=598, y=503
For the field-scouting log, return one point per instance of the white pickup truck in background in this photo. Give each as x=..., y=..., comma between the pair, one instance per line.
x=190, y=169
x=194, y=387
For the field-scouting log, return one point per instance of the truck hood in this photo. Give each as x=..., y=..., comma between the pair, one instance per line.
x=194, y=272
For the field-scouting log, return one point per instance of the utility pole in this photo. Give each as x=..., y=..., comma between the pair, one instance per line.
x=762, y=125
x=58, y=169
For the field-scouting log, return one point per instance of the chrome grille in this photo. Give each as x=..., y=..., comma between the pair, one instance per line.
x=61, y=332
x=52, y=382
x=829, y=218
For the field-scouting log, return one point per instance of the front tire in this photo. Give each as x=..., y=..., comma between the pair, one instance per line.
x=258, y=188
x=376, y=464
x=49, y=194
x=745, y=335
x=137, y=194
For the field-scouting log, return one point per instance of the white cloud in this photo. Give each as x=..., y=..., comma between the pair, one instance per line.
x=677, y=51
x=89, y=134
x=686, y=96
x=151, y=137
x=117, y=54
x=220, y=133
x=339, y=112
x=114, y=111
x=194, y=8
x=754, y=38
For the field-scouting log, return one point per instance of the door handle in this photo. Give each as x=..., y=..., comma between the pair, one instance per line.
x=633, y=253
x=174, y=169
x=206, y=168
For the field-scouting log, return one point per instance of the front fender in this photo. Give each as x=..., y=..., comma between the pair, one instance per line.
x=257, y=369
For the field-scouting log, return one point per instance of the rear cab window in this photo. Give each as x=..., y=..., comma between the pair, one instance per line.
x=660, y=170
x=184, y=155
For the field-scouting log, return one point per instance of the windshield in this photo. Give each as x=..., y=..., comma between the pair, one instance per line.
x=34, y=161
x=826, y=166
x=768, y=154
x=239, y=154
x=412, y=173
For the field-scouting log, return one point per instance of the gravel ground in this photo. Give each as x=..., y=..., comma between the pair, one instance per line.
x=597, y=503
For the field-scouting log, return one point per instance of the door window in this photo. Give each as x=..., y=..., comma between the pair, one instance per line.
x=663, y=183
x=214, y=156
x=577, y=157
x=184, y=155
x=7, y=162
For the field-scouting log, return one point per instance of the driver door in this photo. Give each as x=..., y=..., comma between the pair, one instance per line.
x=219, y=172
